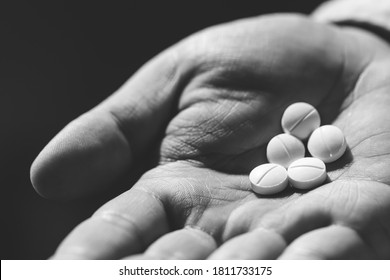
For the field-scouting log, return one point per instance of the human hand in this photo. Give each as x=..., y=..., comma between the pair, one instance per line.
x=213, y=101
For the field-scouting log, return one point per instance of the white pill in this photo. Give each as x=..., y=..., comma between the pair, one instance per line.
x=268, y=178
x=284, y=148
x=300, y=119
x=327, y=143
x=307, y=173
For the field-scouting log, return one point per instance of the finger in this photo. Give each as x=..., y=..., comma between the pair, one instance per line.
x=257, y=244
x=96, y=148
x=333, y=242
x=124, y=226
x=265, y=235
x=187, y=243
x=140, y=257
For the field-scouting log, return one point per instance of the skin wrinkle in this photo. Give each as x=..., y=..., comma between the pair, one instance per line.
x=208, y=200
x=329, y=93
x=167, y=204
x=378, y=155
x=196, y=216
x=249, y=98
x=371, y=253
x=379, y=88
x=338, y=76
x=206, y=185
x=361, y=142
x=338, y=173
x=174, y=146
x=117, y=220
x=273, y=232
x=356, y=175
x=195, y=232
x=210, y=197
x=192, y=201
x=370, y=137
x=384, y=223
x=181, y=208
x=262, y=226
x=355, y=202
x=223, y=68
x=362, y=237
x=198, y=203
x=198, y=86
x=202, y=230
x=195, y=148
x=228, y=114
x=154, y=195
x=248, y=121
x=374, y=178
x=121, y=129
x=339, y=192
x=102, y=213
x=232, y=130
x=224, y=131
x=240, y=99
x=224, y=92
x=212, y=65
x=180, y=131
x=361, y=79
x=227, y=231
x=354, y=86
x=351, y=97
x=352, y=199
x=170, y=85
x=284, y=213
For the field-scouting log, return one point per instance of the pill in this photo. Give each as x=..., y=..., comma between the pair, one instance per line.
x=327, y=143
x=306, y=173
x=284, y=148
x=268, y=178
x=300, y=119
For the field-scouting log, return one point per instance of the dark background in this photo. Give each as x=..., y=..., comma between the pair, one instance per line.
x=59, y=59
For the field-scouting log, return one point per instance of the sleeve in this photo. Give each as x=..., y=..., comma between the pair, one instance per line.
x=373, y=15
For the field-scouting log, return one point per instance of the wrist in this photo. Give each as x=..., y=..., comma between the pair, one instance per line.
x=361, y=14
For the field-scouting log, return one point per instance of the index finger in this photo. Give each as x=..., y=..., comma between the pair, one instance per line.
x=124, y=226
x=91, y=152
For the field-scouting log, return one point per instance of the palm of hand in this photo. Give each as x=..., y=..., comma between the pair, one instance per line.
x=228, y=111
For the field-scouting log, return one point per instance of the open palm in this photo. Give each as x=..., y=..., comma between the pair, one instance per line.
x=214, y=101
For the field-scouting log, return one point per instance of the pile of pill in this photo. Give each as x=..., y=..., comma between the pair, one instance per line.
x=286, y=152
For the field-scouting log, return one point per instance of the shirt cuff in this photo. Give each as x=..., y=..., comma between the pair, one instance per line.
x=371, y=14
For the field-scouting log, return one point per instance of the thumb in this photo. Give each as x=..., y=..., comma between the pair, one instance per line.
x=92, y=151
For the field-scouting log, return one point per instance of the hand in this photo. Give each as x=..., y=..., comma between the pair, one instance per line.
x=210, y=104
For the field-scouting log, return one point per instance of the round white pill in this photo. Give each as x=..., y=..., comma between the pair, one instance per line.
x=300, y=119
x=307, y=173
x=284, y=148
x=268, y=178
x=327, y=143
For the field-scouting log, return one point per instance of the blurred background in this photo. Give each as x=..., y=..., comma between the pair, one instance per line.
x=59, y=59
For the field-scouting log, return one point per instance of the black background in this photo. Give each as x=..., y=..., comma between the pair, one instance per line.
x=59, y=59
